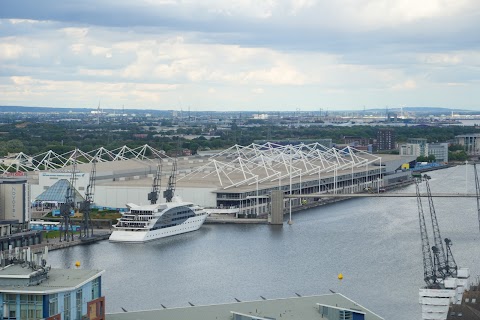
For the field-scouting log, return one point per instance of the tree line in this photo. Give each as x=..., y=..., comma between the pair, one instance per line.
x=34, y=138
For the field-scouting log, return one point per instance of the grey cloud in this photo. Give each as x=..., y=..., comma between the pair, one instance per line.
x=282, y=31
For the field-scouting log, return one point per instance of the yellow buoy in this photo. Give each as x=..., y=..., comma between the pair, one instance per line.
x=340, y=276
x=77, y=264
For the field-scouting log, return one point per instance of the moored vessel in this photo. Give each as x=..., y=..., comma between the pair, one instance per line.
x=143, y=223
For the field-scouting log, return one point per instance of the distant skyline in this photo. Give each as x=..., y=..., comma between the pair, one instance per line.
x=240, y=55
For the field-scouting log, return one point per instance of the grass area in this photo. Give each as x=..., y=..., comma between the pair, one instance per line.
x=96, y=214
x=112, y=215
x=55, y=234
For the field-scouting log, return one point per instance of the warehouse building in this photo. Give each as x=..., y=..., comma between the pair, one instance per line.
x=238, y=179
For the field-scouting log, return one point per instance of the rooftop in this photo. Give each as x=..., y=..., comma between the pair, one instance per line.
x=57, y=192
x=304, y=308
x=58, y=279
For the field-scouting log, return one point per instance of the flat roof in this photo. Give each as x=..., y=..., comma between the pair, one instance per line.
x=219, y=173
x=207, y=178
x=58, y=280
x=12, y=180
x=304, y=308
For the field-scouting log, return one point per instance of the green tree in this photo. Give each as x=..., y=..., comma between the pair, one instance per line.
x=15, y=145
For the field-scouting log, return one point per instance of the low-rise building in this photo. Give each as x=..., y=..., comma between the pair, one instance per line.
x=413, y=149
x=471, y=143
x=439, y=150
x=29, y=289
x=419, y=148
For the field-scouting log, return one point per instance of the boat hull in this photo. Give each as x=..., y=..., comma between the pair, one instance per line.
x=191, y=224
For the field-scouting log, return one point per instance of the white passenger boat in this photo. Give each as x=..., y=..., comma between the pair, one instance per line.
x=153, y=221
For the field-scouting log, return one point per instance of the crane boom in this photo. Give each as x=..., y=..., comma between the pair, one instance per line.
x=477, y=189
x=86, y=206
x=66, y=226
x=442, y=266
x=172, y=181
x=429, y=274
x=451, y=264
x=153, y=195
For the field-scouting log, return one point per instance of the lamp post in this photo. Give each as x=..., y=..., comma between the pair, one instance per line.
x=290, y=199
x=256, y=200
x=351, y=188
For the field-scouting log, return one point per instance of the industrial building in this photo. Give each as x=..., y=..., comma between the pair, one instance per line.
x=239, y=178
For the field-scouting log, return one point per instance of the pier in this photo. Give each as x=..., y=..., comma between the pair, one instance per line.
x=55, y=243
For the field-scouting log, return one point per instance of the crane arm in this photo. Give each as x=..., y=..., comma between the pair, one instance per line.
x=442, y=266
x=477, y=189
x=172, y=181
x=429, y=274
x=153, y=195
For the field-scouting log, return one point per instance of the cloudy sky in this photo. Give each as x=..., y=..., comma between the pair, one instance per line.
x=240, y=54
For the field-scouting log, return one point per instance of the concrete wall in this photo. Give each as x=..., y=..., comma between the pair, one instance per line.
x=204, y=197
x=119, y=196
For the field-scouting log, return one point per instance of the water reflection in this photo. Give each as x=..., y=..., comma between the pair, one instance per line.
x=375, y=243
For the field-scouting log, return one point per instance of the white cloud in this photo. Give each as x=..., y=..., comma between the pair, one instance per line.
x=19, y=81
x=245, y=52
x=387, y=12
x=406, y=85
x=20, y=21
x=76, y=33
x=10, y=51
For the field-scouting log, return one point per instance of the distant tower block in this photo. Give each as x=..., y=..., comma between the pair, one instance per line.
x=276, y=214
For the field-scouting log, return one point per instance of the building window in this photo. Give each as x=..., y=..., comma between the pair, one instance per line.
x=31, y=306
x=79, y=304
x=95, y=288
x=52, y=305
x=67, y=306
x=345, y=315
x=11, y=305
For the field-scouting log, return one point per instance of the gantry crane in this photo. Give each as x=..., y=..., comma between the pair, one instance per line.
x=446, y=265
x=157, y=182
x=172, y=181
x=477, y=189
x=66, y=229
x=86, y=230
x=429, y=270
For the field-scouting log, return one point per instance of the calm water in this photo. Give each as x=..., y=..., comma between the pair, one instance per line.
x=375, y=243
